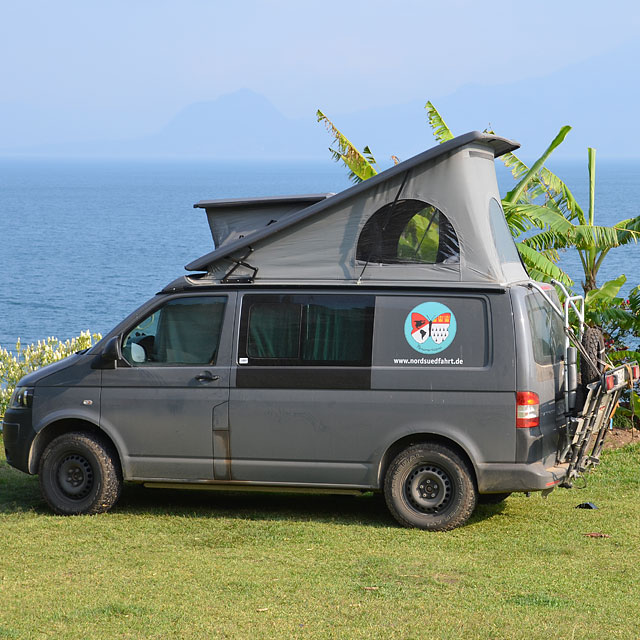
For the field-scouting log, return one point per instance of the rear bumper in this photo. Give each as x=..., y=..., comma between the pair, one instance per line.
x=503, y=478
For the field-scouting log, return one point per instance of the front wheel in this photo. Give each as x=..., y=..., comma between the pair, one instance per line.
x=429, y=486
x=79, y=475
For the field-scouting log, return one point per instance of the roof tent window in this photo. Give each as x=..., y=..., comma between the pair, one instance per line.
x=408, y=231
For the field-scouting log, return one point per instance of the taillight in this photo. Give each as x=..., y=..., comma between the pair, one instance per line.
x=636, y=371
x=610, y=382
x=527, y=409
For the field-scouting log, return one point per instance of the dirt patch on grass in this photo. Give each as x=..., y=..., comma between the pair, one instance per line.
x=617, y=438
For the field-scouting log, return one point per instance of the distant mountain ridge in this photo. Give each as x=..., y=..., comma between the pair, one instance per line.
x=240, y=125
x=590, y=96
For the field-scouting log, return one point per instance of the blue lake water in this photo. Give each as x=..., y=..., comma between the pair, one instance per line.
x=82, y=244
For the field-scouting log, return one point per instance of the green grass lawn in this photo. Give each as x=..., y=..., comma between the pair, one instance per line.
x=172, y=564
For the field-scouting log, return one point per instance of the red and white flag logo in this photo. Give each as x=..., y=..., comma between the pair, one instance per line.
x=437, y=329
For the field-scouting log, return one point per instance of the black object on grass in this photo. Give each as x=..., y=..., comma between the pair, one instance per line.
x=586, y=505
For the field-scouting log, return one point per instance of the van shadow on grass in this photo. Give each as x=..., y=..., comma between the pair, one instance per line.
x=368, y=509
x=20, y=493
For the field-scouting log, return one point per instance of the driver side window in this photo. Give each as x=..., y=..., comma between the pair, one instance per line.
x=185, y=331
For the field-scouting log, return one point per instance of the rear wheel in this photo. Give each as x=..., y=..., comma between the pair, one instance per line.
x=79, y=474
x=429, y=486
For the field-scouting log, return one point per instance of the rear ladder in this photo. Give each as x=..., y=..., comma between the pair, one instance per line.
x=584, y=433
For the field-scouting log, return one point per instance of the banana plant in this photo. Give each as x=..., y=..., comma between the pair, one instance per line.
x=603, y=308
x=620, y=320
x=593, y=242
x=540, y=207
x=559, y=217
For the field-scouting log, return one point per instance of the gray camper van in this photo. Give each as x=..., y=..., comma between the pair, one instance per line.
x=386, y=338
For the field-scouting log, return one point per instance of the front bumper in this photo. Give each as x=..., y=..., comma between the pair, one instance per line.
x=507, y=478
x=18, y=435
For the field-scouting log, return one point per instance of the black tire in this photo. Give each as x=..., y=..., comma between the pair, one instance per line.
x=492, y=498
x=80, y=475
x=429, y=486
x=593, y=343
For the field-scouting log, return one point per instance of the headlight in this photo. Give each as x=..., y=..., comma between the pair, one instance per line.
x=22, y=397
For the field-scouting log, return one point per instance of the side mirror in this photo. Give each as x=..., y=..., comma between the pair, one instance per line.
x=138, y=354
x=109, y=356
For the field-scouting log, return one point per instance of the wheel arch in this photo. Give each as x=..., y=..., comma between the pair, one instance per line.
x=67, y=425
x=423, y=438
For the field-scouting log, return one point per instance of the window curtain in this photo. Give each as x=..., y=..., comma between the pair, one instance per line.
x=336, y=334
x=311, y=333
x=274, y=331
x=188, y=332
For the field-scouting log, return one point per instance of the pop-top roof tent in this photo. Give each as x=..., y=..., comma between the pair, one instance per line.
x=433, y=218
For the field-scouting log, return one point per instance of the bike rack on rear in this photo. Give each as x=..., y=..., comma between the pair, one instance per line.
x=593, y=419
x=602, y=397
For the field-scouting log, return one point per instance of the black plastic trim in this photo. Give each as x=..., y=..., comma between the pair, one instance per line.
x=18, y=437
x=262, y=201
x=183, y=284
x=248, y=377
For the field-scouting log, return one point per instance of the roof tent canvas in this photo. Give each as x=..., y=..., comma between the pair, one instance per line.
x=378, y=230
x=234, y=219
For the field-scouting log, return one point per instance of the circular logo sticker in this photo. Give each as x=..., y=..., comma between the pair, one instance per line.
x=430, y=327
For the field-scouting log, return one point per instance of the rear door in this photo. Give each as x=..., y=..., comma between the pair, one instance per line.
x=540, y=369
x=300, y=408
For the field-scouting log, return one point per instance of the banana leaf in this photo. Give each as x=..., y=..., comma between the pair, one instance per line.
x=515, y=194
x=607, y=292
x=540, y=267
x=440, y=129
x=361, y=166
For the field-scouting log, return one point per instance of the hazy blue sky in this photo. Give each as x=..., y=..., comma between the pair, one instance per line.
x=120, y=67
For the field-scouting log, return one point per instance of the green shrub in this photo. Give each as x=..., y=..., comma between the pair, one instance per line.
x=621, y=421
x=14, y=366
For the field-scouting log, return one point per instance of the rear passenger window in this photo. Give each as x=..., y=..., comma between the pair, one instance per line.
x=547, y=332
x=307, y=330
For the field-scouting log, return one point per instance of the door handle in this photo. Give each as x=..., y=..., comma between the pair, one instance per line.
x=207, y=376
